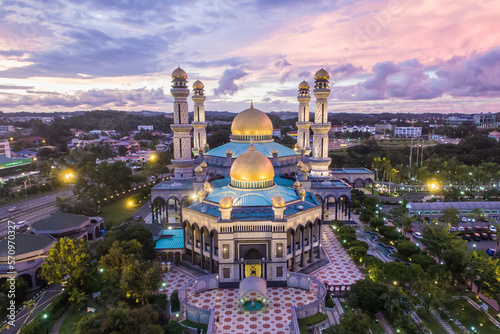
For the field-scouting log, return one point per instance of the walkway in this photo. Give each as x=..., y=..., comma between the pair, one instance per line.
x=476, y=306
x=444, y=325
x=58, y=324
x=341, y=270
x=382, y=320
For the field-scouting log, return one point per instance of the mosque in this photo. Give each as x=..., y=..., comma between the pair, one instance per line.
x=251, y=207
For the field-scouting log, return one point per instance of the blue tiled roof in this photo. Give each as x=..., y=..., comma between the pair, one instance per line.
x=254, y=197
x=350, y=170
x=239, y=148
x=174, y=184
x=277, y=179
x=171, y=239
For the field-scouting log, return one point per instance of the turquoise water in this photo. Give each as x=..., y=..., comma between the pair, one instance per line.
x=257, y=306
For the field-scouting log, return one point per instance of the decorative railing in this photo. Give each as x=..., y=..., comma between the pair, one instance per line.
x=198, y=314
x=302, y=281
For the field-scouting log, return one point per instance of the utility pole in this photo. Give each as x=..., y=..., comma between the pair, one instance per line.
x=409, y=166
x=422, y=154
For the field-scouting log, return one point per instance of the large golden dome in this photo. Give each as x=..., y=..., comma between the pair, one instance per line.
x=304, y=85
x=252, y=169
x=252, y=122
x=322, y=75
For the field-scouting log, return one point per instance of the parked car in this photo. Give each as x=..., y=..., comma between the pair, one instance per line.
x=478, y=228
x=14, y=208
x=137, y=218
x=493, y=229
x=460, y=229
x=464, y=219
x=409, y=230
x=484, y=236
x=417, y=235
x=466, y=237
x=477, y=237
x=490, y=251
x=468, y=229
x=493, y=237
x=453, y=229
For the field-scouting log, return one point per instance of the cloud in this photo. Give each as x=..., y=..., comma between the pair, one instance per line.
x=94, y=98
x=227, y=84
x=15, y=87
x=345, y=71
x=282, y=63
x=304, y=74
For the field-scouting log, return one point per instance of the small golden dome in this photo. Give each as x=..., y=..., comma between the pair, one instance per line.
x=305, y=169
x=304, y=85
x=226, y=202
x=275, y=151
x=302, y=192
x=206, y=185
x=252, y=166
x=278, y=201
x=198, y=85
x=179, y=73
x=322, y=75
x=207, y=146
x=300, y=164
x=303, y=148
x=203, y=164
x=229, y=152
x=297, y=184
x=202, y=193
x=252, y=122
x=198, y=170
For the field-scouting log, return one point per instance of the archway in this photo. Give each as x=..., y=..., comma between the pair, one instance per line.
x=38, y=277
x=174, y=211
x=28, y=279
x=159, y=211
x=344, y=208
x=358, y=183
x=329, y=207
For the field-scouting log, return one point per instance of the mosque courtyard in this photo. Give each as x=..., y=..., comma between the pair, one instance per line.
x=340, y=271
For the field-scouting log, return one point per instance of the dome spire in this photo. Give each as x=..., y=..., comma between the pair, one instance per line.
x=251, y=103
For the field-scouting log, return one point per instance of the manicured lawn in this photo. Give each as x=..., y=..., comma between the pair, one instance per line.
x=432, y=324
x=470, y=317
x=68, y=325
x=117, y=212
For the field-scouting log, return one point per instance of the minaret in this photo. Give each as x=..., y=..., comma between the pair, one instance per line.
x=303, y=123
x=320, y=160
x=183, y=161
x=199, y=124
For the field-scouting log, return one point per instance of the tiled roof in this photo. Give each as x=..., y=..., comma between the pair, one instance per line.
x=171, y=239
x=59, y=221
x=26, y=243
x=239, y=148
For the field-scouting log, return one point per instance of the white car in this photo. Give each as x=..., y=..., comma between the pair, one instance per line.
x=20, y=225
x=464, y=219
x=417, y=235
x=460, y=229
x=493, y=229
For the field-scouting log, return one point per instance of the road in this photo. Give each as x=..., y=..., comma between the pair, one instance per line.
x=41, y=302
x=32, y=203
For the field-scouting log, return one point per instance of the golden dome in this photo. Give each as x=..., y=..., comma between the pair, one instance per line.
x=322, y=74
x=304, y=85
x=202, y=193
x=226, y=202
x=275, y=151
x=300, y=164
x=198, y=85
x=206, y=185
x=297, y=184
x=252, y=122
x=251, y=166
x=179, y=73
x=203, y=164
x=305, y=169
x=302, y=192
x=198, y=170
x=206, y=145
x=229, y=152
x=278, y=201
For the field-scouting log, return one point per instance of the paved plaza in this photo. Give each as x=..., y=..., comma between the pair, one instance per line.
x=340, y=270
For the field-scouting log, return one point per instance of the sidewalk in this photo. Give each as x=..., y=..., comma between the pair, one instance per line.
x=58, y=324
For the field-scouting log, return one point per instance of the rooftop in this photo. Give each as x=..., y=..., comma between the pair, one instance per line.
x=59, y=221
x=27, y=243
x=171, y=239
x=174, y=184
x=238, y=148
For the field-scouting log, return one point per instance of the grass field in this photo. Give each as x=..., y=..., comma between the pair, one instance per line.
x=117, y=212
x=68, y=325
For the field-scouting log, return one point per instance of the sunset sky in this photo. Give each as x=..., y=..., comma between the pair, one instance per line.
x=383, y=56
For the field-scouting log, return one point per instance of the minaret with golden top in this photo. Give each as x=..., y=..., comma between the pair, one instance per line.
x=199, y=124
x=303, y=123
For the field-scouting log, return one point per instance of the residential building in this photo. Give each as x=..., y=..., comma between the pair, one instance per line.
x=487, y=120
x=408, y=131
x=5, y=148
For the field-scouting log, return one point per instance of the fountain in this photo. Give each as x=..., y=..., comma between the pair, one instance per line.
x=253, y=293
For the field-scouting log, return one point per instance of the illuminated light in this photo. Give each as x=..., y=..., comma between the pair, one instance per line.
x=101, y=270
x=395, y=283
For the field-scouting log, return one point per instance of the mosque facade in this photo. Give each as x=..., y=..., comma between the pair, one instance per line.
x=251, y=207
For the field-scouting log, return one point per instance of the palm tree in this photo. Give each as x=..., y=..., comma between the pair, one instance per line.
x=386, y=167
x=377, y=165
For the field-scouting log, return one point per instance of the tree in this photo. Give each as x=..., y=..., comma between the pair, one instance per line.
x=21, y=289
x=351, y=323
x=365, y=295
x=122, y=150
x=141, y=279
x=485, y=274
x=377, y=165
x=438, y=238
x=407, y=248
x=71, y=258
x=451, y=216
x=399, y=216
x=430, y=293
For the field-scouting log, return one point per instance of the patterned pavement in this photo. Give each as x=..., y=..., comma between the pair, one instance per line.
x=341, y=269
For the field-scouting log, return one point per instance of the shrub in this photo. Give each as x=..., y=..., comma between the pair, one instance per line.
x=174, y=301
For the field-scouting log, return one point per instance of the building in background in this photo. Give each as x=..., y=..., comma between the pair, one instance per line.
x=458, y=121
x=5, y=148
x=145, y=127
x=408, y=131
x=487, y=120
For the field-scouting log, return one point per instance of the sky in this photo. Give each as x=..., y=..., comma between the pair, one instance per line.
x=383, y=56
